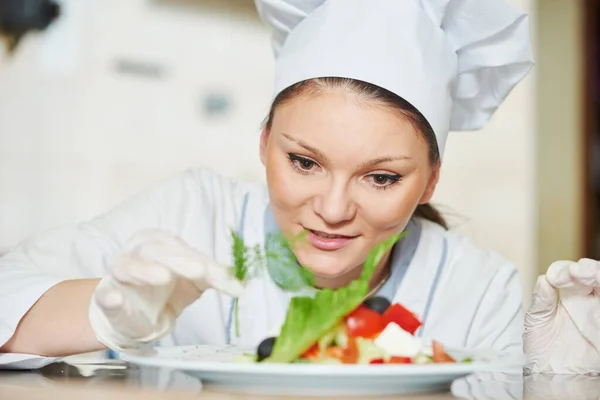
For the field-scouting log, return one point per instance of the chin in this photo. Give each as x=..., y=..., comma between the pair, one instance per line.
x=323, y=265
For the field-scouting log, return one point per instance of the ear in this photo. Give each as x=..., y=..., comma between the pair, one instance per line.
x=264, y=136
x=430, y=189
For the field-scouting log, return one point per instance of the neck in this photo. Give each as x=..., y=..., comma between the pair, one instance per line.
x=380, y=274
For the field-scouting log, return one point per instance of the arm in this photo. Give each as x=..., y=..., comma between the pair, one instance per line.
x=44, y=283
x=62, y=315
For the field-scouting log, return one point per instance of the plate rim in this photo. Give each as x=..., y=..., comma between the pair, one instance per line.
x=286, y=369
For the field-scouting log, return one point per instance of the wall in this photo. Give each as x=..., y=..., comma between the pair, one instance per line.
x=560, y=120
x=77, y=136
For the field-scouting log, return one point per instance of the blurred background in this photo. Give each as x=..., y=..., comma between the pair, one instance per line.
x=101, y=99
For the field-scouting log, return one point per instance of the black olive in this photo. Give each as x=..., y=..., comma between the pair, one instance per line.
x=377, y=304
x=265, y=348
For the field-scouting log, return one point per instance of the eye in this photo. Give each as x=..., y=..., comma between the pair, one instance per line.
x=384, y=181
x=301, y=163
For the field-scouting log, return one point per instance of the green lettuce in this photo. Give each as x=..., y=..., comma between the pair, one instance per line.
x=308, y=319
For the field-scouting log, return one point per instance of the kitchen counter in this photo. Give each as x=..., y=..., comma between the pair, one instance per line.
x=116, y=380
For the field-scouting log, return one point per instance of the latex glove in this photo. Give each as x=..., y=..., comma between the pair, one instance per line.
x=562, y=326
x=149, y=285
x=561, y=387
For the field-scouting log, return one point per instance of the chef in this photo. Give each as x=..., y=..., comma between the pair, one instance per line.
x=365, y=95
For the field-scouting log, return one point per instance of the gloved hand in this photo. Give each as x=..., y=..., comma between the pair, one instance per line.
x=149, y=285
x=562, y=326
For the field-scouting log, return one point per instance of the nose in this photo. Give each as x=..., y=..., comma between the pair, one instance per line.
x=335, y=205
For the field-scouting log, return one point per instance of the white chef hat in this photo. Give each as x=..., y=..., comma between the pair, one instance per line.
x=454, y=60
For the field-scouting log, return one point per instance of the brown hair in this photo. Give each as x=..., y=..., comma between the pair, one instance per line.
x=378, y=94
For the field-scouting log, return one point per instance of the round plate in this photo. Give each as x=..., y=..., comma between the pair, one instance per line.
x=216, y=366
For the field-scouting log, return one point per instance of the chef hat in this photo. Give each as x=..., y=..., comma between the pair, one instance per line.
x=453, y=60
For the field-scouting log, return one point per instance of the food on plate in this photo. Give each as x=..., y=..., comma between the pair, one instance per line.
x=342, y=326
x=309, y=319
x=365, y=336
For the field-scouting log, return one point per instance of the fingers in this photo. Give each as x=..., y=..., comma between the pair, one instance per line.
x=558, y=274
x=545, y=298
x=155, y=256
x=179, y=257
x=176, y=255
x=220, y=279
x=117, y=308
x=139, y=272
x=573, y=278
x=585, y=271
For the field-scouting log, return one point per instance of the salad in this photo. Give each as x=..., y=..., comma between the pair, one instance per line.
x=376, y=332
x=343, y=326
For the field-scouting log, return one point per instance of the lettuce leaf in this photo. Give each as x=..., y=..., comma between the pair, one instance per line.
x=308, y=319
x=282, y=265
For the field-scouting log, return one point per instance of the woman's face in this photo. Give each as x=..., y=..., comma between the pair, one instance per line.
x=347, y=170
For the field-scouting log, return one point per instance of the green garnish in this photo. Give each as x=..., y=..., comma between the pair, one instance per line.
x=240, y=257
x=276, y=257
x=308, y=319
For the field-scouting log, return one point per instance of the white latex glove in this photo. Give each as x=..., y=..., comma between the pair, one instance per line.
x=562, y=326
x=149, y=285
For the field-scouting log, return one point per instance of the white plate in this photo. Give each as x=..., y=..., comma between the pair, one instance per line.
x=215, y=366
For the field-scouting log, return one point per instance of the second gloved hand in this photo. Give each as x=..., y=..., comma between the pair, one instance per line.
x=562, y=326
x=149, y=285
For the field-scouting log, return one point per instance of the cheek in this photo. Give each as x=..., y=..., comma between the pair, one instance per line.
x=285, y=185
x=387, y=212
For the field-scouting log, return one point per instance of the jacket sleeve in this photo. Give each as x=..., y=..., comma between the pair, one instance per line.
x=83, y=251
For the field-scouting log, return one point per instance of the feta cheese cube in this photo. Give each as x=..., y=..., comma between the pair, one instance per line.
x=274, y=331
x=395, y=341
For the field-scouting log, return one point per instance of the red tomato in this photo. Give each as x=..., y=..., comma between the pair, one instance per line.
x=439, y=355
x=401, y=316
x=364, y=322
x=350, y=355
x=400, y=360
x=313, y=353
x=377, y=361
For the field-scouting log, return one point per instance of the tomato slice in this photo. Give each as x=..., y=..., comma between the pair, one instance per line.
x=377, y=361
x=350, y=355
x=439, y=355
x=364, y=322
x=400, y=360
x=402, y=317
x=312, y=353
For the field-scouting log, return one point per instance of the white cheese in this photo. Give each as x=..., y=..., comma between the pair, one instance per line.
x=395, y=341
x=274, y=331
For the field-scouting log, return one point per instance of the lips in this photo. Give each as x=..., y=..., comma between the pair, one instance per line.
x=328, y=236
x=328, y=241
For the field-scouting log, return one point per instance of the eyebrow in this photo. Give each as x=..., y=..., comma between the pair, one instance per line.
x=300, y=143
x=363, y=165
x=381, y=160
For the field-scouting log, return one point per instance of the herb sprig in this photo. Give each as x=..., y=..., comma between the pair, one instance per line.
x=276, y=257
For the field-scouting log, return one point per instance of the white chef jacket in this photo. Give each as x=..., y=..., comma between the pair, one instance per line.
x=465, y=296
